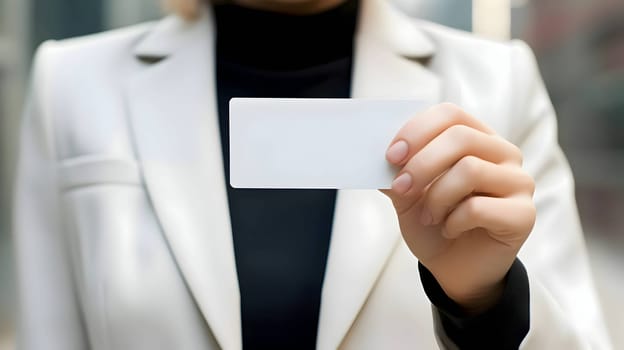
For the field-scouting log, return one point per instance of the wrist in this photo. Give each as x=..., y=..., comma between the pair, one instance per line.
x=474, y=302
x=474, y=288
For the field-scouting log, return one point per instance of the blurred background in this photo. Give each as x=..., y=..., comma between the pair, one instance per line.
x=580, y=49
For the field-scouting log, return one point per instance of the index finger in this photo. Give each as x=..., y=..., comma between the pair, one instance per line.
x=426, y=126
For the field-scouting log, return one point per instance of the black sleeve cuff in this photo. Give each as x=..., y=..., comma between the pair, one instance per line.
x=503, y=326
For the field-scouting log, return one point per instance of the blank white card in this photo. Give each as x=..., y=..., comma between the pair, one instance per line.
x=314, y=143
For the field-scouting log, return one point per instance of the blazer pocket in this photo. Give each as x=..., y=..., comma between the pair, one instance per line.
x=93, y=170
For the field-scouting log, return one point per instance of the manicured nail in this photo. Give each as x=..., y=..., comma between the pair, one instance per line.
x=425, y=217
x=402, y=183
x=397, y=152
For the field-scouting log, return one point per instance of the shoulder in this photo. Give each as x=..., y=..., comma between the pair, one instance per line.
x=78, y=62
x=468, y=50
x=89, y=63
x=76, y=84
x=467, y=43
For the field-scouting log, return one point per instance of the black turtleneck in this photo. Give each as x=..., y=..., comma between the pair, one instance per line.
x=281, y=237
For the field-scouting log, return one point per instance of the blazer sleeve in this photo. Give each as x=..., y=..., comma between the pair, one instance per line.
x=49, y=315
x=564, y=309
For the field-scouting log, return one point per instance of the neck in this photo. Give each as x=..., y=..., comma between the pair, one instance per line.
x=291, y=7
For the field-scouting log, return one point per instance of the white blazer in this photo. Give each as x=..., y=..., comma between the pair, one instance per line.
x=122, y=227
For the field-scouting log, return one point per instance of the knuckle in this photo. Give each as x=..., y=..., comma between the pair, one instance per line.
x=525, y=181
x=460, y=135
x=473, y=207
x=450, y=110
x=470, y=167
x=517, y=153
x=530, y=217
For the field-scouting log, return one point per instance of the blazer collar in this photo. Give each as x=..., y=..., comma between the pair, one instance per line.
x=383, y=22
x=173, y=117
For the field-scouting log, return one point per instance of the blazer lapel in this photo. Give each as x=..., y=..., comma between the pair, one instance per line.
x=173, y=116
x=390, y=50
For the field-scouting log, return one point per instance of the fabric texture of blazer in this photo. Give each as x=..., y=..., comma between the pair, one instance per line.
x=122, y=228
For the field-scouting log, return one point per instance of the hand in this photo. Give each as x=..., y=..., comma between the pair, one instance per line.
x=463, y=202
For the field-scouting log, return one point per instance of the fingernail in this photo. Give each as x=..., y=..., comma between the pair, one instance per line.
x=397, y=152
x=425, y=217
x=402, y=183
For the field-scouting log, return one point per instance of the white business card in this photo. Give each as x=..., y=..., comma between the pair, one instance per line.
x=315, y=143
